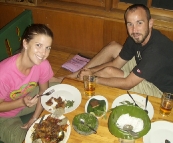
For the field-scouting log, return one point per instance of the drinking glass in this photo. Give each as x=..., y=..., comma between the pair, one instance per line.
x=89, y=85
x=166, y=104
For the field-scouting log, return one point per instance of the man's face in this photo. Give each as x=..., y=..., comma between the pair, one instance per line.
x=138, y=27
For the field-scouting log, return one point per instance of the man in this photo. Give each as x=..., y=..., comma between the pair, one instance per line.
x=115, y=66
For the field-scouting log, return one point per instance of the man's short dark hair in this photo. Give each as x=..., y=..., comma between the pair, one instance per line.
x=134, y=7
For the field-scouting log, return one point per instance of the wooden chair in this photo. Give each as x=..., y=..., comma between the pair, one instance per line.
x=10, y=34
x=10, y=39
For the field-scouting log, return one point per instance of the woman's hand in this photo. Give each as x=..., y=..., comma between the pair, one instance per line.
x=30, y=101
x=30, y=122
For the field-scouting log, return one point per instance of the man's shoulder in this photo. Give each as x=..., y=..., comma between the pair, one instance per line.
x=156, y=33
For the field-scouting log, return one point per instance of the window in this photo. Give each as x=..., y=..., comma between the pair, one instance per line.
x=135, y=1
x=166, y=4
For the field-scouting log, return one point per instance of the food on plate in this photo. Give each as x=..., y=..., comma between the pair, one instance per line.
x=126, y=102
x=69, y=103
x=125, y=119
x=89, y=119
x=59, y=102
x=49, y=102
x=97, y=107
x=47, y=131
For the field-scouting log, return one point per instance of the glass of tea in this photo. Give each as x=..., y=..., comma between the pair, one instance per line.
x=166, y=104
x=126, y=141
x=89, y=85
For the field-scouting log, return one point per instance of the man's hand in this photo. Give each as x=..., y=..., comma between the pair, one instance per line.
x=84, y=72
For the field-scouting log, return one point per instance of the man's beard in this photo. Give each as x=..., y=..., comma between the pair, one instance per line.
x=137, y=40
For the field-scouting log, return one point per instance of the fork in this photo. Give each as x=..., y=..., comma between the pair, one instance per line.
x=47, y=93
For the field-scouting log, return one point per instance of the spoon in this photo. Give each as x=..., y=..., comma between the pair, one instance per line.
x=129, y=129
x=60, y=135
x=82, y=121
x=132, y=99
x=146, y=105
x=167, y=141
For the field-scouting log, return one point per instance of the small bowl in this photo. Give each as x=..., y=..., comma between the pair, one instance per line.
x=132, y=111
x=98, y=97
x=82, y=129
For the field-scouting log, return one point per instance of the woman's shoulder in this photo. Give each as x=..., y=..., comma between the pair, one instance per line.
x=8, y=63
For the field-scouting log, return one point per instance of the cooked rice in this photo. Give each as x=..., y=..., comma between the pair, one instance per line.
x=137, y=123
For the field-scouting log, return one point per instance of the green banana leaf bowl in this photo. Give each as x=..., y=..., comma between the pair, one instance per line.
x=132, y=111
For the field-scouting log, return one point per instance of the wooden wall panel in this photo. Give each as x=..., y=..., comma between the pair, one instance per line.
x=100, y=3
x=79, y=31
x=74, y=31
x=7, y=14
x=114, y=31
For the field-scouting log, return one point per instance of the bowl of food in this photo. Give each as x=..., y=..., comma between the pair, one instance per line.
x=131, y=115
x=85, y=123
x=97, y=105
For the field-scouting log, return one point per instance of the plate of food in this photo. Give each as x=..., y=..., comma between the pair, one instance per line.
x=97, y=105
x=90, y=121
x=64, y=95
x=140, y=100
x=50, y=126
x=159, y=133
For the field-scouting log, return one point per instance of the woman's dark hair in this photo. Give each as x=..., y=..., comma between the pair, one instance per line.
x=134, y=7
x=33, y=30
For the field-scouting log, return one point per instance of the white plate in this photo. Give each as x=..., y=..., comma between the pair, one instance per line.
x=98, y=97
x=159, y=132
x=28, y=138
x=140, y=100
x=66, y=92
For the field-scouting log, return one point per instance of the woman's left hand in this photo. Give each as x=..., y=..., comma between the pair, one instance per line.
x=30, y=122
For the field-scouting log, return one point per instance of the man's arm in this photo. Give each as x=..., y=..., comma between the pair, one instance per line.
x=103, y=70
x=120, y=82
x=118, y=62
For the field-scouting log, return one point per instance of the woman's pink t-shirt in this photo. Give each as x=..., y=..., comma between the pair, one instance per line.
x=15, y=85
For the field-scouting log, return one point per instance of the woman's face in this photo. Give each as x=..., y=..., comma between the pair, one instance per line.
x=37, y=49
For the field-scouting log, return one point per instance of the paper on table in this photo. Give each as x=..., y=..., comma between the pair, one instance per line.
x=76, y=63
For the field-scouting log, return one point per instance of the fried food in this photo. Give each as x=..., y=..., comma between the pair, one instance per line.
x=47, y=131
x=49, y=102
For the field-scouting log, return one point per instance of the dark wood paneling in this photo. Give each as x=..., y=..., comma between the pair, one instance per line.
x=83, y=30
x=8, y=13
x=100, y=3
x=114, y=31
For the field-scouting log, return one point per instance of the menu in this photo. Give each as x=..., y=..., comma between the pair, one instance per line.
x=76, y=63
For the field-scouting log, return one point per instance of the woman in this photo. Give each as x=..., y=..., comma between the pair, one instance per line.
x=19, y=76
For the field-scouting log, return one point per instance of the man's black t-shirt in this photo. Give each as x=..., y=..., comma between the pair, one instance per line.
x=154, y=60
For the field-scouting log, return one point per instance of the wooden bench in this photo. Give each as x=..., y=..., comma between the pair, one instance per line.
x=10, y=34
x=10, y=39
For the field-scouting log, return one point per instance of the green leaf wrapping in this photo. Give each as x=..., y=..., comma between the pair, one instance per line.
x=99, y=110
x=133, y=111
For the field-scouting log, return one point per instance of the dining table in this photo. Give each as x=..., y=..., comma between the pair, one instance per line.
x=110, y=93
